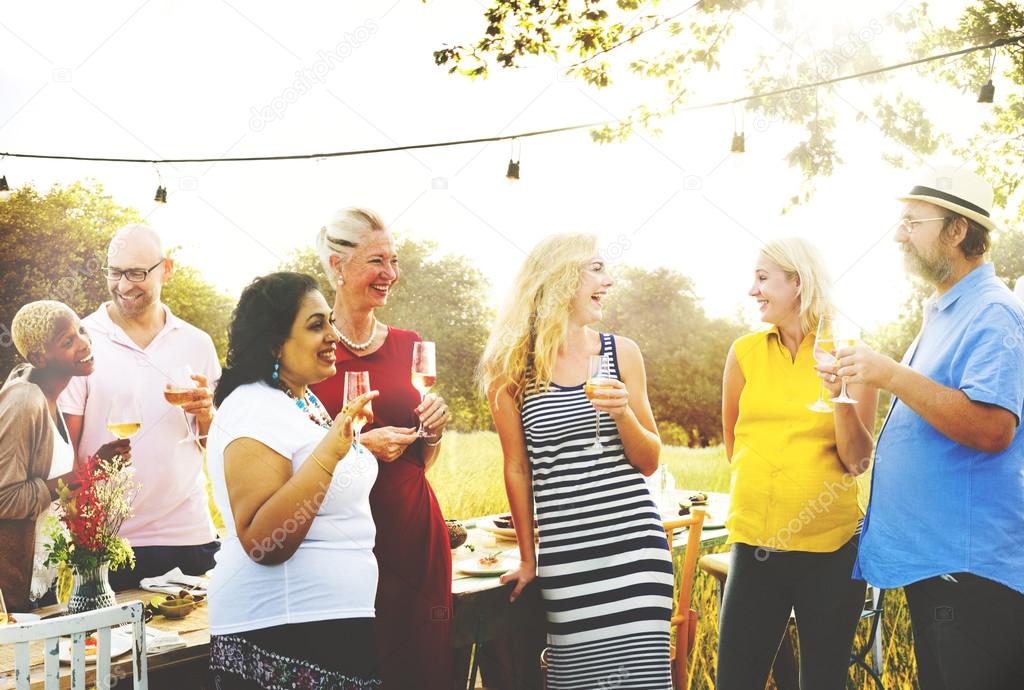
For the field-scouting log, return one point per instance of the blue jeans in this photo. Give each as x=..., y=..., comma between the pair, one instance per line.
x=151, y=561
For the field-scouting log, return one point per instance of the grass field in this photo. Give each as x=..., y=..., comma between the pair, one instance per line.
x=468, y=482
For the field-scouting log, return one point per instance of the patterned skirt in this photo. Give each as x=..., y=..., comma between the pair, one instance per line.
x=320, y=655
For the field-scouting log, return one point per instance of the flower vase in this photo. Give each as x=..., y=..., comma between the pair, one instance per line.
x=92, y=590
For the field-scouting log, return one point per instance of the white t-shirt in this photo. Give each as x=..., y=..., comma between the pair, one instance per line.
x=333, y=573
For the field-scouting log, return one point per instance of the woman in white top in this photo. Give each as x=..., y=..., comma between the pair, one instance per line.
x=35, y=451
x=292, y=596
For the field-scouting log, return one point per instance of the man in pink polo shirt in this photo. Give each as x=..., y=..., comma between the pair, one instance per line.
x=140, y=347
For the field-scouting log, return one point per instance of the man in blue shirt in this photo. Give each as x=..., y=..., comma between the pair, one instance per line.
x=946, y=517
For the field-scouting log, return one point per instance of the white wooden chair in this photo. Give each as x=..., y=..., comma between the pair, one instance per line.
x=78, y=626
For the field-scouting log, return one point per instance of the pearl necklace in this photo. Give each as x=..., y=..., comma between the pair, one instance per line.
x=309, y=404
x=359, y=346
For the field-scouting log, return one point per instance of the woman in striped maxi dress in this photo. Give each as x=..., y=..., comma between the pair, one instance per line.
x=602, y=561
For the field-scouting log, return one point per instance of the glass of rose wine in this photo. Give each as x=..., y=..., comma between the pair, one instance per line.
x=178, y=392
x=125, y=416
x=597, y=383
x=357, y=383
x=424, y=370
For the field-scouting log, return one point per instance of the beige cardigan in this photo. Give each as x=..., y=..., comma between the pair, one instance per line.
x=26, y=453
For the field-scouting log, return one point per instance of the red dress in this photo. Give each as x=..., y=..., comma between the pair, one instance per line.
x=414, y=594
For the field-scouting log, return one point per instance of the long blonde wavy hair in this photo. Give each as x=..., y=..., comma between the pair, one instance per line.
x=534, y=321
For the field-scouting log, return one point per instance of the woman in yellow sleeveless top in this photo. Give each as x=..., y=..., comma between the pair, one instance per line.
x=794, y=512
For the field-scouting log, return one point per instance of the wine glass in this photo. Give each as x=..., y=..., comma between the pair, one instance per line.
x=357, y=383
x=424, y=371
x=824, y=344
x=597, y=381
x=178, y=392
x=125, y=416
x=847, y=334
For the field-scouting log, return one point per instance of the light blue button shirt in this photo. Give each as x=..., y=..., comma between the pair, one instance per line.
x=937, y=506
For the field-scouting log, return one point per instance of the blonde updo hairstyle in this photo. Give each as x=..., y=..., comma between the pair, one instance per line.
x=345, y=231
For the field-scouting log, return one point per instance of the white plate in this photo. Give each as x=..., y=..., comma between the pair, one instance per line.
x=119, y=644
x=25, y=618
x=487, y=524
x=471, y=566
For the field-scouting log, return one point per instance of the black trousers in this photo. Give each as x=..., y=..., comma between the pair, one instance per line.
x=968, y=633
x=151, y=561
x=761, y=590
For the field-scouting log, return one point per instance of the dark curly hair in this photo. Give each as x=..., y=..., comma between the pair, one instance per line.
x=259, y=326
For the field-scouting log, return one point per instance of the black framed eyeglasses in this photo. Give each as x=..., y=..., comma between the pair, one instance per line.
x=134, y=275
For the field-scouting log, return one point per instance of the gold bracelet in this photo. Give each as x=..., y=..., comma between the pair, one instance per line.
x=317, y=461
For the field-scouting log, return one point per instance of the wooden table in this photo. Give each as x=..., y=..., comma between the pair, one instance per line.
x=505, y=638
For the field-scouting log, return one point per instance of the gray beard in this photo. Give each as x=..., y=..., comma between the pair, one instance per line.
x=936, y=270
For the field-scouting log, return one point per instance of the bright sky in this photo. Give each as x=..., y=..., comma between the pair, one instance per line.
x=168, y=79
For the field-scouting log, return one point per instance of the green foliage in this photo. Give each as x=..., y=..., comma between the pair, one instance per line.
x=599, y=41
x=441, y=298
x=53, y=245
x=684, y=350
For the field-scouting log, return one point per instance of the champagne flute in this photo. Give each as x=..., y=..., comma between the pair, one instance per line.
x=424, y=371
x=824, y=344
x=356, y=384
x=125, y=416
x=178, y=392
x=597, y=381
x=847, y=334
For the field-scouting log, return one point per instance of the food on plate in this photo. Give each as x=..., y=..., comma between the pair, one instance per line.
x=699, y=499
x=489, y=560
x=504, y=522
x=684, y=509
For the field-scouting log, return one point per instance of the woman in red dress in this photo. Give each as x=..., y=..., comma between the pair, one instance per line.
x=414, y=605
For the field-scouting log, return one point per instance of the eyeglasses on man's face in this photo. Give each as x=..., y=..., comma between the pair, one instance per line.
x=134, y=275
x=907, y=224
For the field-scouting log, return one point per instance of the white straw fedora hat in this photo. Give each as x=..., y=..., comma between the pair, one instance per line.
x=955, y=188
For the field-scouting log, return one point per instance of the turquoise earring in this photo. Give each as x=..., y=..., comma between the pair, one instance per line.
x=277, y=367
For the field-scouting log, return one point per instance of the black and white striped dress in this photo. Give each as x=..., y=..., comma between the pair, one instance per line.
x=603, y=562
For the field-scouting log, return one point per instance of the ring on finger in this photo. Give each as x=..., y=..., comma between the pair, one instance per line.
x=832, y=378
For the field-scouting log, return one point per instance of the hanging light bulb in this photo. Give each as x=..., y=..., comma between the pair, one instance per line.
x=739, y=140
x=5, y=191
x=512, y=172
x=987, y=92
x=161, y=195
x=988, y=89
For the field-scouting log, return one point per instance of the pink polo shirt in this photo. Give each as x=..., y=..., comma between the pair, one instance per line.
x=171, y=507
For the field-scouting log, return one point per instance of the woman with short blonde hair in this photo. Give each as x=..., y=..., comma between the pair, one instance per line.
x=793, y=514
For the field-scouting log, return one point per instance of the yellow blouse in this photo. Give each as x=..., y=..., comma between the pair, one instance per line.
x=789, y=491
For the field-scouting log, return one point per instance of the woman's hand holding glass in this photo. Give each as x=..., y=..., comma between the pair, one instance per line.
x=339, y=438
x=609, y=395
x=434, y=416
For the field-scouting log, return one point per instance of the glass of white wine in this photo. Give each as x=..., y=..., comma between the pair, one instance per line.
x=178, y=392
x=597, y=382
x=125, y=416
x=824, y=344
x=357, y=383
x=424, y=370
x=847, y=334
